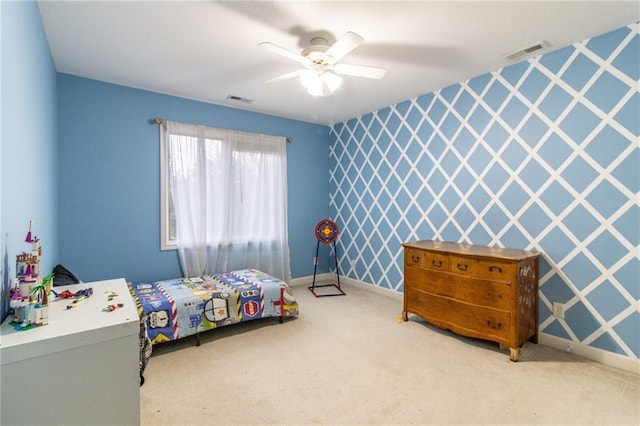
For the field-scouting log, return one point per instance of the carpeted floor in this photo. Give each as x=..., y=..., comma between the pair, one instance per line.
x=350, y=360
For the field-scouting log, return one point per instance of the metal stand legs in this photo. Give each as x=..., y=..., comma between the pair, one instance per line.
x=313, y=287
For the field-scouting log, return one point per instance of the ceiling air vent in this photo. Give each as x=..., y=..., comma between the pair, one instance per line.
x=239, y=99
x=527, y=51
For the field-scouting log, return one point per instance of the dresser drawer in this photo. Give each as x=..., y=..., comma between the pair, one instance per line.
x=460, y=317
x=426, y=259
x=471, y=290
x=484, y=268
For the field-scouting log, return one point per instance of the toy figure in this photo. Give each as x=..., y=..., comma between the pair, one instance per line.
x=30, y=296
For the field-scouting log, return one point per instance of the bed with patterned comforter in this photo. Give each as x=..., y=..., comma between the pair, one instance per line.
x=182, y=307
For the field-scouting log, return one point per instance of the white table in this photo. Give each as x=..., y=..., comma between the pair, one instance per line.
x=82, y=368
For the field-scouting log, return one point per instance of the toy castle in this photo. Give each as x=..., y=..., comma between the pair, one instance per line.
x=29, y=297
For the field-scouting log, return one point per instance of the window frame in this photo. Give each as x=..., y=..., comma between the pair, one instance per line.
x=166, y=243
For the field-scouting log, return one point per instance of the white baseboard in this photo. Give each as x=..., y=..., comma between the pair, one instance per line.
x=580, y=349
x=374, y=288
x=308, y=280
x=604, y=357
x=330, y=277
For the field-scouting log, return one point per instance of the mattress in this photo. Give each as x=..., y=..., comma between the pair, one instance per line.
x=177, y=308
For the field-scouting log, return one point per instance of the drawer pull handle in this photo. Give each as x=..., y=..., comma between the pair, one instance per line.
x=495, y=268
x=463, y=267
x=415, y=259
x=436, y=264
x=490, y=294
x=497, y=326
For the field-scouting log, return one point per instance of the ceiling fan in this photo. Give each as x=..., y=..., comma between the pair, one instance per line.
x=321, y=73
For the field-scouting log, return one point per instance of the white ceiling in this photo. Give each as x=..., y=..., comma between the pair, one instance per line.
x=206, y=51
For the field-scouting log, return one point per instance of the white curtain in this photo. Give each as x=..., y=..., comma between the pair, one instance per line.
x=229, y=195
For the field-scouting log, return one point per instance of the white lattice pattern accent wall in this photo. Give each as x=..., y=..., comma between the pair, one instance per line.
x=543, y=155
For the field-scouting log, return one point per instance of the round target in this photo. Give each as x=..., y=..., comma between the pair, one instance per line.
x=326, y=231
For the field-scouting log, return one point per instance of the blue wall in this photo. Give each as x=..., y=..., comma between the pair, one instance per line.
x=110, y=179
x=29, y=131
x=542, y=155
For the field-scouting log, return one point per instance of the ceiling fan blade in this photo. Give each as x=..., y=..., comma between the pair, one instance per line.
x=360, y=71
x=283, y=52
x=344, y=45
x=283, y=77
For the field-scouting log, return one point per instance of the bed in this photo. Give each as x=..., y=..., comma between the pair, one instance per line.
x=174, y=309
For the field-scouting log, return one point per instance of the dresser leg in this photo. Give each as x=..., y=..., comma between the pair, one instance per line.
x=405, y=316
x=513, y=354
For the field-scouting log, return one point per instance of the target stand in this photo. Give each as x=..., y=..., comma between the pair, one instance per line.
x=326, y=233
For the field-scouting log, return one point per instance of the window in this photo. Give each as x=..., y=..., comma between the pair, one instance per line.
x=222, y=190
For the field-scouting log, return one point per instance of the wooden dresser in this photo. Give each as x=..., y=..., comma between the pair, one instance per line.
x=483, y=292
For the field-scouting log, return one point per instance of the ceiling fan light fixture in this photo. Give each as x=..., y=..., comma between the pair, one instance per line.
x=320, y=83
x=331, y=80
x=321, y=75
x=308, y=78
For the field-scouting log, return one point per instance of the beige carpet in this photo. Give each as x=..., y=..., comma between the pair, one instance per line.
x=349, y=360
